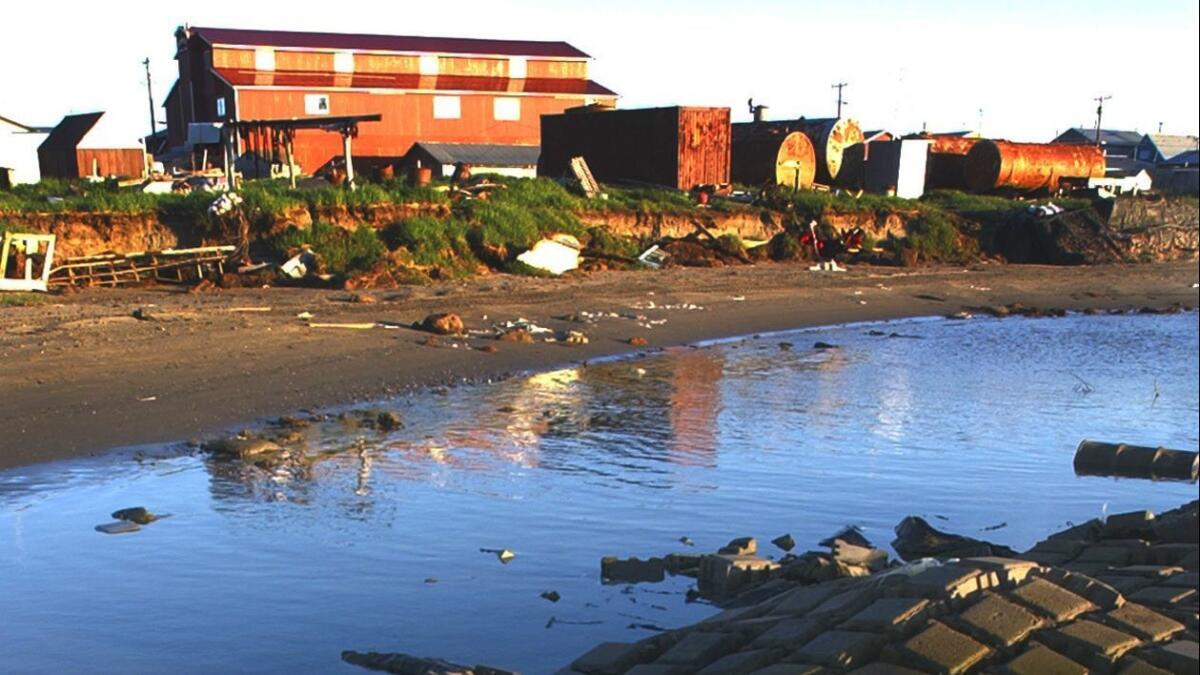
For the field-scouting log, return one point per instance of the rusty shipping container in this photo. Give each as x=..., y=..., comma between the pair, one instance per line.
x=678, y=147
x=1029, y=167
x=947, y=161
x=770, y=156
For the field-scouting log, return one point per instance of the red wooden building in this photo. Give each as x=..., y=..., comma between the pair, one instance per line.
x=443, y=90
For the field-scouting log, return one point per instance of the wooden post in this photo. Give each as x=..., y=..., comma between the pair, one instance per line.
x=288, y=135
x=346, y=133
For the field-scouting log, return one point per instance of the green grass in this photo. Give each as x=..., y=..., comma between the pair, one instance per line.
x=603, y=240
x=933, y=235
x=22, y=299
x=433, y=243
x=340, y=252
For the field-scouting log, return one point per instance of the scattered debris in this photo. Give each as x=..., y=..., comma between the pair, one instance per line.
x=442, y=324
x=519, y=335
x=555, y=254
x=637, y=341
x=502, y=554
x=351, y=326
x=573, y=337
x=654, y=257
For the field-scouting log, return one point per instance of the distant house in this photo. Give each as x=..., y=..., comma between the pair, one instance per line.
x=505, y=160
x=1180, y=174
x=84, y=145
x=18, y=151
x=1159, y=148
x=1115, y=143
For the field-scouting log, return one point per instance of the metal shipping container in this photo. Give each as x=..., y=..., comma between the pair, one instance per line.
x=677, y=147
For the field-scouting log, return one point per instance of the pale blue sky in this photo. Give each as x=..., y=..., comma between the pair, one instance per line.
x=1033, y=67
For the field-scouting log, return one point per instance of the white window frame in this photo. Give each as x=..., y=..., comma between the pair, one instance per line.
x=221, y=106
x=518, y=67
x=264, y=58
x=506, y=109
x=343, y=62
x=447, y=107
x=427, y=64
x=312, y=104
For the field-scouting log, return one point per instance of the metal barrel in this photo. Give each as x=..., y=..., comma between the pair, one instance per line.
x=1029, y=167
x=771, y=156
x=1096, y=458
x=830, y=138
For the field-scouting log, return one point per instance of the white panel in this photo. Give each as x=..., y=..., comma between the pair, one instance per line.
x=428, y=65
x=264, y=58
x=447, y=108
x=220, y=106
x=506, y=109
x=517, y=67
x=343, y=62
x=316, y=104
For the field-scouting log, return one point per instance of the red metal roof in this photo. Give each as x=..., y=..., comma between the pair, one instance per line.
x=302, y=79
x=386, y=43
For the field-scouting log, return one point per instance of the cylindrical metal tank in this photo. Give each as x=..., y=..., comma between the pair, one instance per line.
x=771, y=156
x=830, y=138
x=1029, y=167
x=947, y=161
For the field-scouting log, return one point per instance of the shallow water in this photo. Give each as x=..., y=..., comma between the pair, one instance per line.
x=375, y=543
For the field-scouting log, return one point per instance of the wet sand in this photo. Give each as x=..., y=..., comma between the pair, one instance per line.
x=84, y=375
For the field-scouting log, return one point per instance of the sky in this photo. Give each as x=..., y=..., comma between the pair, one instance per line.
x=1017, y=69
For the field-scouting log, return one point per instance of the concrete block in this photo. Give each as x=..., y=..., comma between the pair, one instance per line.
x=841, y=649
x=1050, y=601
x=998, y=622
x=1143, y=622
x=944, y=650
x=1039, y=660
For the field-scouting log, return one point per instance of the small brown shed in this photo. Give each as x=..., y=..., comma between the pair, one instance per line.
x=80, y=146
x=678, y=147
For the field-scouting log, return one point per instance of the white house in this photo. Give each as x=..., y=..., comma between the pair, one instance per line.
x=18, y=150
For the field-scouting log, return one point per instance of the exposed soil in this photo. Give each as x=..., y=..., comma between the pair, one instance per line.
x=85, y=374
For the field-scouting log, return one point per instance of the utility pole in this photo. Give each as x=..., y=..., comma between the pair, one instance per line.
x=150, y=97
x=1099, y=113
x=979, y=128
x=840, y=86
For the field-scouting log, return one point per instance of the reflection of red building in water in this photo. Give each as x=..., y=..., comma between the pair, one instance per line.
x=448, y=90
x=695, y=404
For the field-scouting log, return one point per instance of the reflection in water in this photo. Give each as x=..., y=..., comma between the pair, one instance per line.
x=357, y=537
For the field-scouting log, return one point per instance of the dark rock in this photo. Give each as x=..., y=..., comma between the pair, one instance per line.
x=118, y=527
x=405, y=664
x=519, y=335
x=740, y=546
x=784, y=542
x=916, y=539
x=136, y=514
x=242, y=447
x=632, y=570
x=824, y=345
x=850, y=534
x=552, y=596
x=388, y=421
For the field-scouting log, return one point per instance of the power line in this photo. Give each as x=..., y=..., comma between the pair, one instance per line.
x=840, y=102
x=1099, y=114
x=150, y=96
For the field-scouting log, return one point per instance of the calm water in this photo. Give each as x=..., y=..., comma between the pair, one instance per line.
x=375, y=544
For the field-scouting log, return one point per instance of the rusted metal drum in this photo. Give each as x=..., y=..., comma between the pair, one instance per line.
x=422, y=176
x=947, y=161
x=768, y=156
x=830, y=139
x=1096, y=458
x=1029, y=167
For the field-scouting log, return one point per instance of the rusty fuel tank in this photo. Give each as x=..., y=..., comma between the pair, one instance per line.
x=763, y=155
x=946, y=167
x=1029, y=167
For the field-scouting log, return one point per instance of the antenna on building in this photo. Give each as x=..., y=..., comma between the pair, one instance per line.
x=150, y=96
x=979, y=128
x=840, y=101
x=1160, y=127
x=1099, y=114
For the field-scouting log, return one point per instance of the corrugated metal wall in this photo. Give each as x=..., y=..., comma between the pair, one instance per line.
x=673, y=147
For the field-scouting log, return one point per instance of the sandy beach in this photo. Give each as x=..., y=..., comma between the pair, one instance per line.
x=83, y=375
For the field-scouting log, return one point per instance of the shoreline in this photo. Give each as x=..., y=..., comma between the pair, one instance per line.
x=85, y=376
